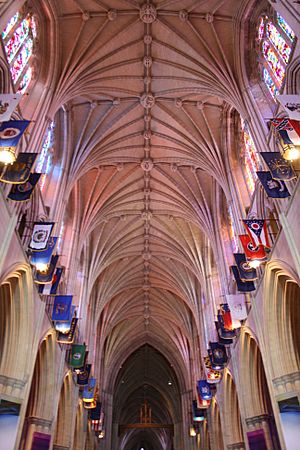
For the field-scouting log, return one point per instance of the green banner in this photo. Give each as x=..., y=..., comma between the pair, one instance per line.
x=77, y=355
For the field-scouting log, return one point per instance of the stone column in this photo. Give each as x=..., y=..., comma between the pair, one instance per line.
x=189, y=443
x=236, y=446
x=107, y=402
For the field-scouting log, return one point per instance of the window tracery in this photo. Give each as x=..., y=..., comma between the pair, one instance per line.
x=275, y=38
x=19, y=37
x=250, y=158
x=45, y=158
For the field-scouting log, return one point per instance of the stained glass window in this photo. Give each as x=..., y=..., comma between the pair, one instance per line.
x=45, y=158
x=19, y=37
x=232, y=233
x=250, y=158
x=276, y=39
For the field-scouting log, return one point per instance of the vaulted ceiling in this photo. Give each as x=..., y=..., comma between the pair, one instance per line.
x=147, y=88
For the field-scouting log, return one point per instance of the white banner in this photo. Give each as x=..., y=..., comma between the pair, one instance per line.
x=8, y=103
x=40, y=235
x=291, y=104
x=237, y=306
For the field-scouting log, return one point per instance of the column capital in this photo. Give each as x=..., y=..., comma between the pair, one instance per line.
x=236, y=446
x=12, y=382
x=257, y=420
x=288, y=378
x=40, y=422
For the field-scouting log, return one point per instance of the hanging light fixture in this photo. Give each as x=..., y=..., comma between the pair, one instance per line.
x=193, y=432
x=254, y=263
x=41, y=267
x=290, y=152
x=7, y=155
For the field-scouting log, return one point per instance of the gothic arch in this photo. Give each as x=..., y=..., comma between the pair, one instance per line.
x=282, y=309
x=231, y=417
x=42, y=391
x=65, y=413
x=16, y=293
x=216, y=436
x=253, y=383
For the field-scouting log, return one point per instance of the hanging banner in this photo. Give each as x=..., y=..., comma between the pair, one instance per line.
x=246, y=272
x=237, y=306
x=44, y=257
x=12, y=131
x=46, y=276
x=40, y=441
x=291, y=104
x=257, y=231
x=198, y=414
x=242, y=286
x=89, y=391
x=62, y=308
x=77, y=355
x=204, y=390
x=288, y=129
x=257, y=440
x=19, y=171
x=68, y=338
x=64, y=326
x=252, y=252
x=274, y=188
x=280, y=168
x=218, y=356
x=51, y=288
x=83, y=377
x=40, y=235
x=212, y=376
x=8, y=103
x=23, y=192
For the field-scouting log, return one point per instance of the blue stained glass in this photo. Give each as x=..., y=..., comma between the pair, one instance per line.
x=25, y=81
x=285, y=27
x=270, y=83
x=10, y=25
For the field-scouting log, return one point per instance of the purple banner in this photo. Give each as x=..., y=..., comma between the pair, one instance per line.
x=41, y=441
x=257, y=440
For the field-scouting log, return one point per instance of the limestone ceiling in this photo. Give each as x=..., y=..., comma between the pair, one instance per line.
x=146, y=88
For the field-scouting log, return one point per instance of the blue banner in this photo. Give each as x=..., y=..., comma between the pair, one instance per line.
x=218, y=356
x=65, y=326
x=62, y=308
x=274, y=188
x=246, y=273
x=204, y=390
x=11, y=132
x=280, y=168
x=96, y=412
x=89, y=390
x=44, y=256
x=51, y=289
x=22, y=192
x=46, y=276
x=83, y=376
x=19, y=171
x=243, y=286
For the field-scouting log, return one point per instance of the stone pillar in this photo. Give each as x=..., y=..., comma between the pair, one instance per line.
x=107, y=402
x=189, y=443
x=178, y=438
x=115, y=436
x=236, y=446
x=60, y=447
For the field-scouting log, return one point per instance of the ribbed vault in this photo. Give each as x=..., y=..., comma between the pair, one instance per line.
x=146, y=90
